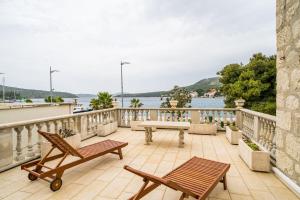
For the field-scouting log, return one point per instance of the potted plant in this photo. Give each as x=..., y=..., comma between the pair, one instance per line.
x=233, y=134
x=134, y=123
x=107, y=127
x=71, y=138
x=253, y=156
x=207, y=128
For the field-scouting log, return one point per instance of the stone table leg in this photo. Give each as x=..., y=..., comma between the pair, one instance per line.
x=147, y=142
x=150, y=134
x=181, y=138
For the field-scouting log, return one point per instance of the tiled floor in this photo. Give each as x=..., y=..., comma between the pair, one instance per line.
x=105, y=179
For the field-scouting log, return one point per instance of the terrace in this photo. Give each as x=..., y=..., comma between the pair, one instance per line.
x=105, y=178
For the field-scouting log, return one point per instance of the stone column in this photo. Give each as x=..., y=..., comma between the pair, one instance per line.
x=288, y=88
x=239, y=103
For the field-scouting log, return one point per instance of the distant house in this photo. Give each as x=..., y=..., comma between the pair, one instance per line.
x=194, y=94
x=211, y=93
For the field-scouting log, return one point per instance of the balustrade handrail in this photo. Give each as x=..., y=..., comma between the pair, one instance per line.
x=182, y=109
x=47, y=119
x=259, y=114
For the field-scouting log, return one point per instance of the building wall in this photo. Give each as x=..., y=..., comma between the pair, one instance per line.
x=288, y=88
x=8, y=115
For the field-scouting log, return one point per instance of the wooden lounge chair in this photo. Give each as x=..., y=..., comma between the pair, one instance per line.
x=197, y=178
x=38, y=169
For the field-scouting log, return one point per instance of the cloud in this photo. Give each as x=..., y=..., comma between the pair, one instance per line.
x=167, y=42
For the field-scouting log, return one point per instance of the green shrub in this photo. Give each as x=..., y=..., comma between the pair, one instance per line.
x=252, y=145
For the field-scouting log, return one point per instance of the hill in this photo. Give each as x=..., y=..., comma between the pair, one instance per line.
x=203, y=84
x=86, y=95
x=33, y=94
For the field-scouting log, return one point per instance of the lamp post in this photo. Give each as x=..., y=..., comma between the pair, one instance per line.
x=3, y=87
x=51, y=89
x=122, y=63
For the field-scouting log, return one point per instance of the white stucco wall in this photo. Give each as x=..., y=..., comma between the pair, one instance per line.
x=9, y=114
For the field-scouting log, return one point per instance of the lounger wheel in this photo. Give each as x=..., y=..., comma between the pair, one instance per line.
x=56, y=184
x=32, y=177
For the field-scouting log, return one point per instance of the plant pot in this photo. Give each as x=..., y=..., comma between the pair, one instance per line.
x=233, y=136
x=135, y=126
x=203, y=129
x=74, y=141
x=256, y=160
x=106, y=129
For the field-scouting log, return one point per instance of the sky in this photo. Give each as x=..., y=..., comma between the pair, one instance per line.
x=167, y=42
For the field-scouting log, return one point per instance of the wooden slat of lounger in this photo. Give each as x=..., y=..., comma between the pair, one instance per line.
x=198, y=175
x=60, y=143
x=100, y=147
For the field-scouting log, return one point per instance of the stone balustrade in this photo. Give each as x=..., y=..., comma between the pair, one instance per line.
x=260, y=128
x=20, y=142
x=193, y=115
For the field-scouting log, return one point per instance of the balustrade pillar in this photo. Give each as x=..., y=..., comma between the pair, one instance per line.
x=20, y=155
x=39, y=127
x=256, y=128
x=30, y=152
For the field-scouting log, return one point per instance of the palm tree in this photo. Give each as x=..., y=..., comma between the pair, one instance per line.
x=103, y=101
x=135, y=103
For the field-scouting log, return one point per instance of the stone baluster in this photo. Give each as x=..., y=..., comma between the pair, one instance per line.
x=20, y=155
x=30, y=152
x=48, y=125
x=273, y=149
x=219, y=117
x=272, y=135
x=39, y=127
x=261, y=131
x=56, y=126
x=267, y=134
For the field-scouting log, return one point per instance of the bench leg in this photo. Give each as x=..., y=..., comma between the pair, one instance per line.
x=183, y=196
x=147, y=140
x=181, y=138
x=120, y=153
x=224, y=182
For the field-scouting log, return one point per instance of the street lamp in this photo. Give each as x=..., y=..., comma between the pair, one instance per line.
x=122, y=63
x=3, y=87
x=51, y=89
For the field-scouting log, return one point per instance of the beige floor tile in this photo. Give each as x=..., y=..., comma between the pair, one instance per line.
x=97, y=179
x=125, y=196
x=88, y=177
x=283, y=193
x=88, y=193
x=67, y=193
x=110, y=174
x=171, y=194
x=254, y=183
x=18, y=195
x=237, y=186
x=240, y=197
x=115, y=188
x=262, y=195
x=219, y=192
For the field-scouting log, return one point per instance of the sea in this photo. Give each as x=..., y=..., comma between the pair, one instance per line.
x=152, y=102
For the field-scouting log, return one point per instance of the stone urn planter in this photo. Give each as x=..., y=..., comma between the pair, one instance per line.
x=203, y=129
x=74, y=141
x=106, y=129
x=233, y=135
x=257, y=160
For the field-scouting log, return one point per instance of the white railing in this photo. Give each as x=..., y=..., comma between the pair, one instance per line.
x=20, y=142
x=260, y=128
x=194, y=115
